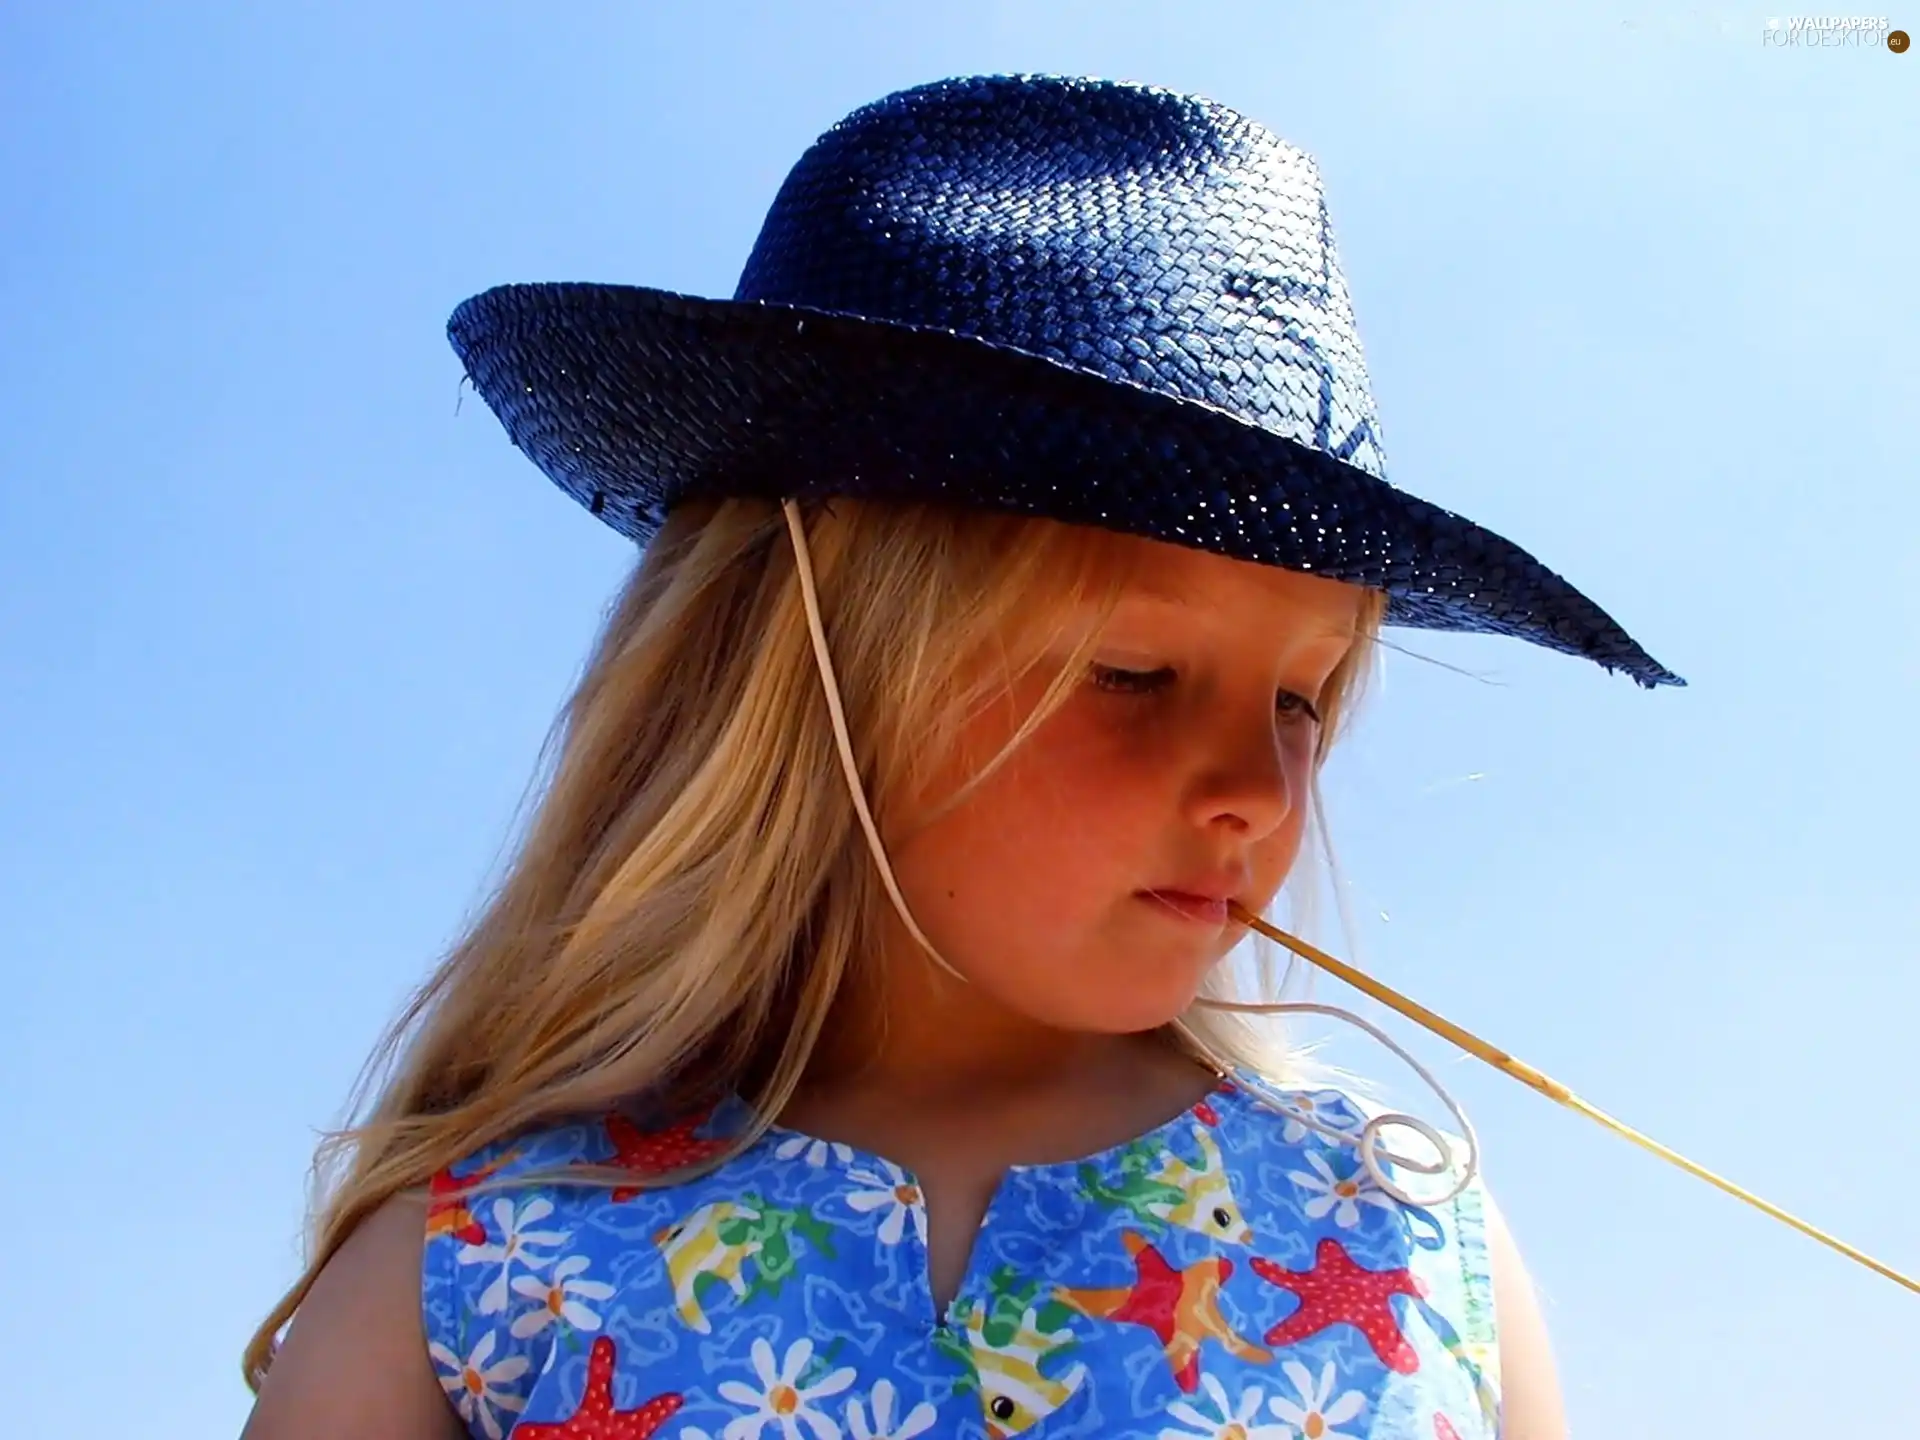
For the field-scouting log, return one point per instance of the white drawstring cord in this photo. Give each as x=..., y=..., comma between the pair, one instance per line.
x=830, y=682
x=1366, y=1141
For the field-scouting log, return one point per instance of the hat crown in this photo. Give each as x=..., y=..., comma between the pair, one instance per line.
x=1095, y=303
x=1152, y=238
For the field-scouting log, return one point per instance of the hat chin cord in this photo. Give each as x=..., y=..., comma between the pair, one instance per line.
x=1366, y=1140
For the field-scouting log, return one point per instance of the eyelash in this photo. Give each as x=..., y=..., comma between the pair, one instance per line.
x=1147, y=682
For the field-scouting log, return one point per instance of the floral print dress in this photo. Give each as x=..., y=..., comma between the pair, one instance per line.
x=1231, y=1275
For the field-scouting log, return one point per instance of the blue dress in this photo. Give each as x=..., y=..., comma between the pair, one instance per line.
x=1230, y=1275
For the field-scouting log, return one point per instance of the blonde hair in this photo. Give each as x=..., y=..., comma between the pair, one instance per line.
x=692, y=890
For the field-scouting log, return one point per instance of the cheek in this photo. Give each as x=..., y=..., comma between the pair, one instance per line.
x=1028, y=887
x=1275, y=855
x=1274, y=858
x=1057, y=832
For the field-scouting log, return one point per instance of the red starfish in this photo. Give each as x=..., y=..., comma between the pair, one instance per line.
x=1443, y=1428
x=449, y=1214
x=1205, y=1110
x=596, y=1419
x=1338, y=1292
x=658, y=1151
x=1181, y=1307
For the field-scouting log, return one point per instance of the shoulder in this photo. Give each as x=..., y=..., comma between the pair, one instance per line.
x=1318, y=1118
x=355, y=1360
x=1305, y=1139
x=1319, y=1128
x=546, y=1162
x=531, y=1241
x=535, y=1189
x=1292, y=1109
x=1534, y=1407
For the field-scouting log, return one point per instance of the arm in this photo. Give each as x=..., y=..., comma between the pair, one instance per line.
x=1530, y=1390
x=355, y=1360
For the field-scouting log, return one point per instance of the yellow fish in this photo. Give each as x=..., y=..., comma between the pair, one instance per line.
x=1014, y=1395
x=693, y=1248
x=1206, y=1206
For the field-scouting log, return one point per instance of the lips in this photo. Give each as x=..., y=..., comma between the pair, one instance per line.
x=1203, y=909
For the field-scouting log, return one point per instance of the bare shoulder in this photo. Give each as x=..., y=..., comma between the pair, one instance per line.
x=1530, y=1386
x=354, y=1361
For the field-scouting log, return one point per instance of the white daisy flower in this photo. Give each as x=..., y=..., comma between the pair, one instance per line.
x=781, y=1399
x=471, y=1382
x=895, y=1191
x=512, y=1247
x=1318, y=1412
x=560, y=1298
x=1232, y=1421
x=816, y=1151
x=1325, y=1107
x=917, y=1421
x=1341, y=1194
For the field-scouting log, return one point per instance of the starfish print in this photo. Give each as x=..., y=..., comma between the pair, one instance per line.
x=448, y=1212
x=1181, y=1307
x=1205, y=1110
x=1443, y=1428
x=595, y=1418
x=658, y=1151
x=1338, y=1292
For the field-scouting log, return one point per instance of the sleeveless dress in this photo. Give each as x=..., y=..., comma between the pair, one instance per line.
x=1230, y=1275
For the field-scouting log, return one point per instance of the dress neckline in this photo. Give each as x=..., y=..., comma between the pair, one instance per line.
x=1229, y=1090
x=887, y=1181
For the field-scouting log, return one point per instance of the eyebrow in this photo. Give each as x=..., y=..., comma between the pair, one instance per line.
x=1157, y=596
x=1176, y=600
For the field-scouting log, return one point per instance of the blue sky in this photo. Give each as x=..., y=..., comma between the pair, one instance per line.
x=282, y=623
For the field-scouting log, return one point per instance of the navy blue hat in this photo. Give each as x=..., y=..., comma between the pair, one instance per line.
x=1101, y=303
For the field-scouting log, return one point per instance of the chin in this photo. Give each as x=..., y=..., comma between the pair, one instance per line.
x=1125, y=990
x=1131, y=1010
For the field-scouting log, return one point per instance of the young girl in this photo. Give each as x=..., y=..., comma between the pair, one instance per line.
x=844, y=1053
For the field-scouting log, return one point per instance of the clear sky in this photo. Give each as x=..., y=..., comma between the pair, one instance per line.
x=282, y=622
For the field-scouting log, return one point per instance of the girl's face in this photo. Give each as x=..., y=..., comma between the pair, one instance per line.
x=1083, y=884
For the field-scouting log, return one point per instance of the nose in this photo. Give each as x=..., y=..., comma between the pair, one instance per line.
x=1248, y=770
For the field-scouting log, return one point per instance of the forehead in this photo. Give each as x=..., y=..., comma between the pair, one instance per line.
x=1211, y=588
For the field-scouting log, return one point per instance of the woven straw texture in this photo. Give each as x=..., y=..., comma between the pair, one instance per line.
x=1102, y=303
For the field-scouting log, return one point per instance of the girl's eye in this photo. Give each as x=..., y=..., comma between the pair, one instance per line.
x=1288, y=704
x=1291, y=706
x=1131, y=682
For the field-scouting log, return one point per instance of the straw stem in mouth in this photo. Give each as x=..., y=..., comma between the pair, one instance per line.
x=1535, y=1080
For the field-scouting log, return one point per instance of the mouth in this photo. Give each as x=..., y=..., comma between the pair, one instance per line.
x=1200, y=909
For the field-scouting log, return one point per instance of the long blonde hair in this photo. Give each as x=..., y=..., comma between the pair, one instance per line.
x=692, y=889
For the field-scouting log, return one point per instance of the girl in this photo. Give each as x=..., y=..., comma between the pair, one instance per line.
x=845, y=1052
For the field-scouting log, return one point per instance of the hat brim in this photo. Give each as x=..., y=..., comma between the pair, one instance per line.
x=633, y=399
